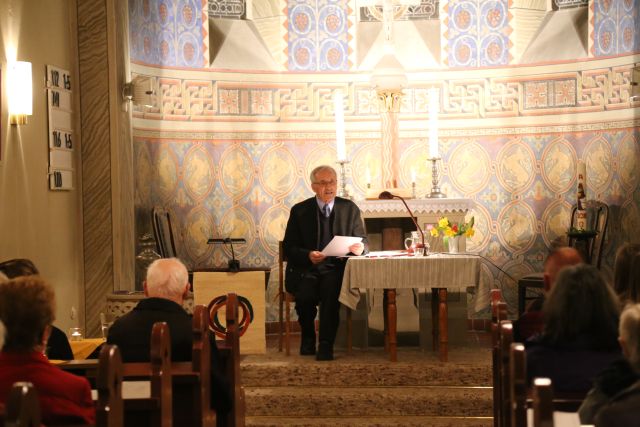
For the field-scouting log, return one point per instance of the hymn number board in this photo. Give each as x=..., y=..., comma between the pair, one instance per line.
x=61, y=136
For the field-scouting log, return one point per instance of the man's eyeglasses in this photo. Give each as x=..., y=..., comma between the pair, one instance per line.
x=326, y=183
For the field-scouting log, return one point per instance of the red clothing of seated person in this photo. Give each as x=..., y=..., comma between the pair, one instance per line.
x=64, y=398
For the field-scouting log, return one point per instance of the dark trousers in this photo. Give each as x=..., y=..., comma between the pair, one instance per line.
x=320, y=288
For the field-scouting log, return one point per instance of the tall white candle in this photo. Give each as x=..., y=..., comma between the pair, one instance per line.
x=413, y=176
x=367, y=175
x=433, y=123
x=339, y=112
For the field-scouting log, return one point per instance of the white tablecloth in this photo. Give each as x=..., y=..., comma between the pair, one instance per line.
x=451, y=271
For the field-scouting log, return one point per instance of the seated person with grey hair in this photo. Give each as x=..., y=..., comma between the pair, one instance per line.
x=166, y=286
x=620, y=382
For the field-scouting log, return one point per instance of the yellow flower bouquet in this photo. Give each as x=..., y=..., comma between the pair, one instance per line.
x=448, y=229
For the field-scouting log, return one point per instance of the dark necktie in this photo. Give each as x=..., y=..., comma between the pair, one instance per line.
x=326, y=211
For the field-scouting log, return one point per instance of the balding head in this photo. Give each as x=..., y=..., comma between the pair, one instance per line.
x=167, y=278
x=557, y=260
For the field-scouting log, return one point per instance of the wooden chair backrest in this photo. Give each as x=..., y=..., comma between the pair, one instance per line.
x=109, y=406
x=599, y=220
x=506, y=338
x=201, y=364
x=232, y=359
x=518, y=385
x=542, y=403
x=22, y=406
x=159, y=407
x=164, y=233
x=500, y=309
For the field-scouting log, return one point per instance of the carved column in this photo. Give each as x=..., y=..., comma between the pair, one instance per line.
x=389, y=104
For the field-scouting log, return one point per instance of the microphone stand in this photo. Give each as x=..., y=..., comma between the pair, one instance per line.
x=385, y=195
x=234, y=264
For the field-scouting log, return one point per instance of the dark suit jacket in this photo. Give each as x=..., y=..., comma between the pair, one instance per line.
x=623, y=410
x=64, y=398
x=303, y=232
x=58, y=347
x=132, y=334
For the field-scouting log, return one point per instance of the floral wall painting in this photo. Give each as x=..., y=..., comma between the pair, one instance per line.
x=228, y=153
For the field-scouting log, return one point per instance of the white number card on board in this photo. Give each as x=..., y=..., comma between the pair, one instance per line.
x=61, y=138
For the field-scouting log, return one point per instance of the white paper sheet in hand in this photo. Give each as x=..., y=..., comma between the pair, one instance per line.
x=339, y=245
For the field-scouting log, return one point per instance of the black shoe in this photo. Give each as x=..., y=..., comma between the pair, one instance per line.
x=308, y=346
x=325, y=351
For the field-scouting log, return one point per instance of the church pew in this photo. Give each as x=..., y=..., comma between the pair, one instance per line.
x=109, y=405
x=506, y=339
x=523, y=398
x=542, y=403
x=518, y=385
x=498, y=313
x=157, y=409
x=229, y=350
x=192, y=380
x=22, y=407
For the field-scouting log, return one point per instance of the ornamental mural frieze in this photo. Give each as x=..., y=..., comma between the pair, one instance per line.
x=564, y=92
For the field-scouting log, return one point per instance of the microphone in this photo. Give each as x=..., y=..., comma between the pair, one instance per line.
x=234, y=264
x=385, y=195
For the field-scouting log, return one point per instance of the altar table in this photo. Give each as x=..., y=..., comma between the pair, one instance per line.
x=436, y=271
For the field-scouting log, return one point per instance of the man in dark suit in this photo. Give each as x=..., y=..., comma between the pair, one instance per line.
x=312, y=277
x=166, y=286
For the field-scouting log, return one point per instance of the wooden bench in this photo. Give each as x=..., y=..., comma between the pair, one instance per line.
x=540, y=396
x=23, y=408
x=230, y=353
x=498, y=313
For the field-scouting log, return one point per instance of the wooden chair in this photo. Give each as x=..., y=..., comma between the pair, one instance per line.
x=542, y=403
x=591, y=249
x=22, y=407
x=285, y=299
x=230, y=350
x=598, y=221
x=163, y=232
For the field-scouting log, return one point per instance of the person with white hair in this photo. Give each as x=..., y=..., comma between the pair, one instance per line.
x=616, y=390
x=165, y=288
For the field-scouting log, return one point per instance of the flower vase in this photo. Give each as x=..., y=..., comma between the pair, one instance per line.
x=454, y=244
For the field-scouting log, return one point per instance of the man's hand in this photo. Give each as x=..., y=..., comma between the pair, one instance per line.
x=316, y=257
x=357, y=248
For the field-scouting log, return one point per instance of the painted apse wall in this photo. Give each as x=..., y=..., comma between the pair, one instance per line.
x=37, y=223
x=228, y=148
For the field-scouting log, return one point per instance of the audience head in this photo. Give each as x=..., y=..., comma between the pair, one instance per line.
x=630, y=334
x=558, y=259
x=626, y=273
x=18, y=267
x=581, y=306
x=167, y=278
x=26, y=309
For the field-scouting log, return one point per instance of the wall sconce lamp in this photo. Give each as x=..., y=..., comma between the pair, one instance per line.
x=20, y=92
x=139, y=91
